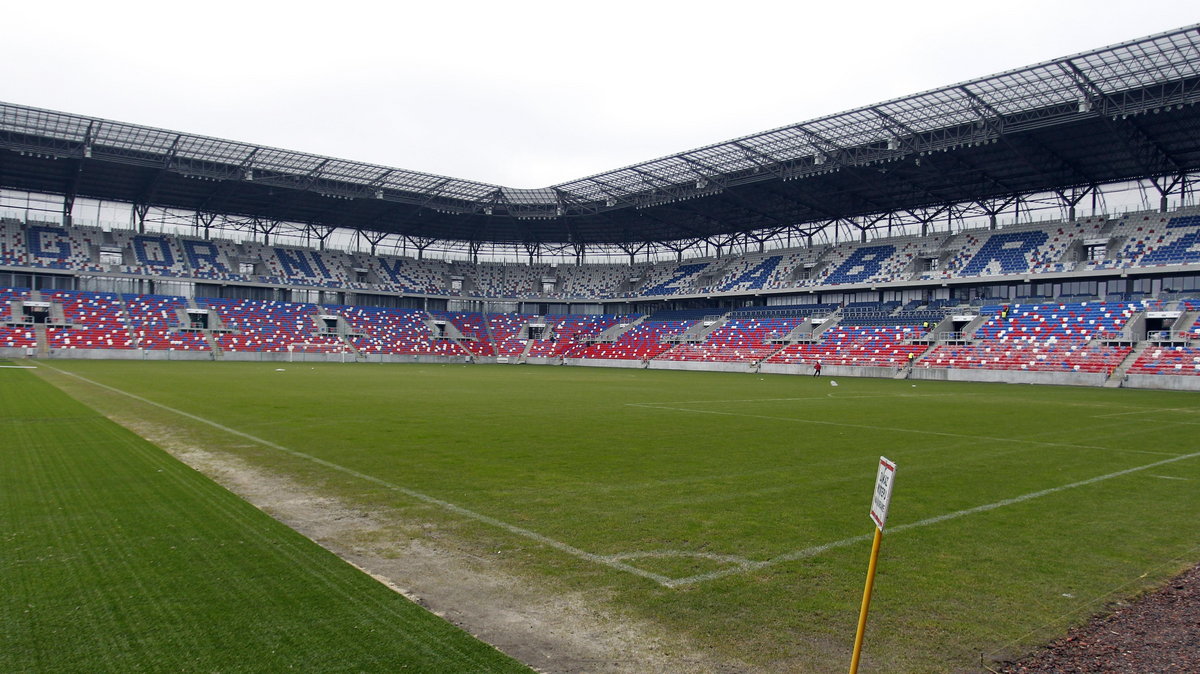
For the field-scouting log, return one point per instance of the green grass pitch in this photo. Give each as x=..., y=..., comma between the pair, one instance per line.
x=731, y=509
x=115, y=557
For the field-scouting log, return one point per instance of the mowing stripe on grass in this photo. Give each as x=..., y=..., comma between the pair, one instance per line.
x=116, y=557
x=1189, y=410
x=739, y=565
x=816, y=550
x=944, y=434
x=822, y=398
x=425, y=498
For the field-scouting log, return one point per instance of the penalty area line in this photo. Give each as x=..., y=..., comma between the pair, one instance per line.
x=816, y=398
x=416, y=495
x=818, y=549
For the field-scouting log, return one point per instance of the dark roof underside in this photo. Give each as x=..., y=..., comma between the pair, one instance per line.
x=1119, y=113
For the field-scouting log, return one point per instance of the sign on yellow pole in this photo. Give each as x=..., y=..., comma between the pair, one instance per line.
x=879, y=509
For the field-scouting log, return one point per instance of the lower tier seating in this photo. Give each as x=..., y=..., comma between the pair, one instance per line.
x=1047, y=337
x=859, y=346
x=1177, y=360
x=1061, y=357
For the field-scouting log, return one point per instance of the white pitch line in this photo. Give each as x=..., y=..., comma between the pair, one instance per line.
x=614, y=561
x=445, y=505
x=919, y=431
x=818, y=549
x=670, y=554
x=1189, y=410
x=821, y=398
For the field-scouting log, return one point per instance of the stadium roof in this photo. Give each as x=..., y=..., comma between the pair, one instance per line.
x=1117, y=113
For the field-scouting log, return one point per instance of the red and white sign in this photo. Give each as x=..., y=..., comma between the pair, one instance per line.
x=883, y=491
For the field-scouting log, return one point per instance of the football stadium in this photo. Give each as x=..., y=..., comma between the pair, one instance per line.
x=268, y=410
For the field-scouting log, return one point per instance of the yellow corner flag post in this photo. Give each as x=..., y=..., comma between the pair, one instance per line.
x=879, y=506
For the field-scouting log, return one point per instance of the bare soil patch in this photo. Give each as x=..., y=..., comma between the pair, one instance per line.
x=561, y=632
x=551, y=631
x=1158, y=633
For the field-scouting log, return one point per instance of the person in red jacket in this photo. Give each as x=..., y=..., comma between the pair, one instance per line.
x=817, y=369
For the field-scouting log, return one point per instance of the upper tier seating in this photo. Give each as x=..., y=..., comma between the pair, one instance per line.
x=12, y=249
x=1142, y=240
x=594, y=281
x=1178, y=243
x=408, y=275
x=672, y=279
x=1151, y=240
x=505, y=280
x=757, y=272
x=151, y=254
x=300, y=266
x=875, y=263
x=216, y=259
x=50, y=246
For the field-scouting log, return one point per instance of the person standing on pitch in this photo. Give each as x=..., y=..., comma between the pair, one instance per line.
x=817, y=369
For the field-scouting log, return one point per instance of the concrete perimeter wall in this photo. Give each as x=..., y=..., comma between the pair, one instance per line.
x=1171, y=383
x=699, y=367
x=831, y=370
x=1139, y=381
x=1009, y=376
x=604, y=362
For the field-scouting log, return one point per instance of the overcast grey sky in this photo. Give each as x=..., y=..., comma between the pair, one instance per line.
x=524, y=94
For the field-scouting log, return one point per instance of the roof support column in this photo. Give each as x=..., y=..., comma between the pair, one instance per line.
x=993, y=207
x=1186, y=187
x=1071, y=198
x=373, y=239
x=206, y=219
x=632, y=249
x=322, y=233
x=68, y=207
x=421, y=243
x=1164, y=185
x=532, y=249
x=137, y=217
x=926, y=216
x=265, y=227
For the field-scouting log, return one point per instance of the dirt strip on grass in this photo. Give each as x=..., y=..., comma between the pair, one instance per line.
x=552, y=631
x=1159, y=633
